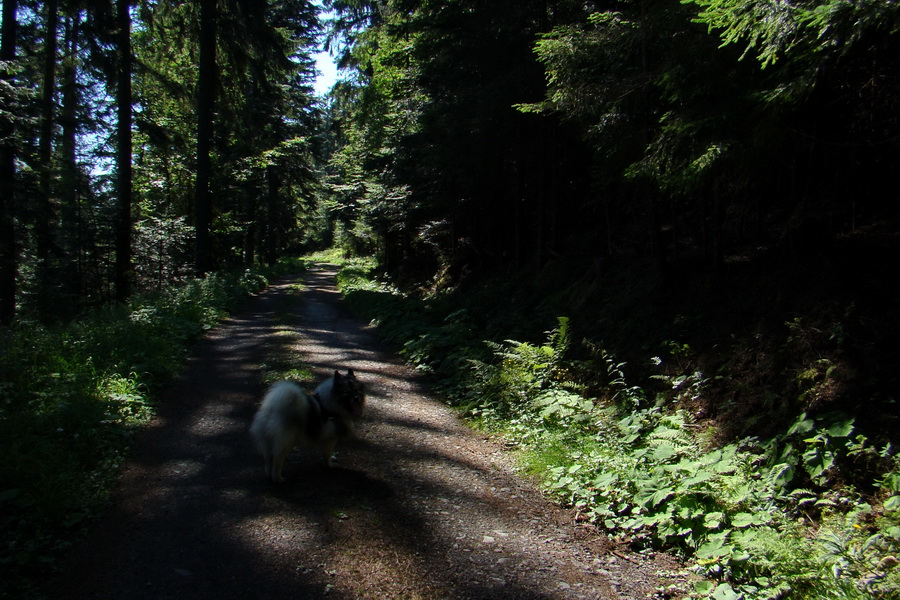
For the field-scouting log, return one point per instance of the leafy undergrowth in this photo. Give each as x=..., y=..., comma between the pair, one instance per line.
x=800, y=501
x=71, y=399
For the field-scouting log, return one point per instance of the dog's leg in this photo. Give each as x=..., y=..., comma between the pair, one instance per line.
x=279, y=464
x=281, y=455
x=270, y=464
x=328, y=450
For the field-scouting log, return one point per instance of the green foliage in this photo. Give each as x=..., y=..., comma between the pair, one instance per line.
x=161, y=248
x=758, y=518
x=860, y=550
x=770, y=27
x=644, y=473
x=355, y=274
x=71, y=398
x=730, y=507
x=523, y=375
x=786, y=30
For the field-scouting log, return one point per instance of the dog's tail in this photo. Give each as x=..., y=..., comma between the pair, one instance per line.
x=258, y=433
x=278, y=409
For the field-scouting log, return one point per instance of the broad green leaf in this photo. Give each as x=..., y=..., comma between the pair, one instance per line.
x=781, y=475
x=704, y=588
x=892, y=503
x=663, y=452
x=715, y=547
x=741, y=520
x=660, y=496
x=725, y=592
x=841, y=429
x=713, y=520
x=745, y=537
x=699, y=477
x=801, y=425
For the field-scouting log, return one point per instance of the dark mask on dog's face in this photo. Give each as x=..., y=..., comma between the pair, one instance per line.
x=351, y=392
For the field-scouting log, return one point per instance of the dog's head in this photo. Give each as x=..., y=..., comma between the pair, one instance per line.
x=350, y=393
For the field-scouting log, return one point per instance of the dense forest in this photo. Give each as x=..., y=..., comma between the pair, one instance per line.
x=144, y=142
x=147, y=141
x=704, y=182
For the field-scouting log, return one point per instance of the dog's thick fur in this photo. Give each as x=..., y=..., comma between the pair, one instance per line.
x=290, y=417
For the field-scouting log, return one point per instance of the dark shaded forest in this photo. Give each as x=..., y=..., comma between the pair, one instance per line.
x=705, y=182
x=147, y=142
x=709, y=173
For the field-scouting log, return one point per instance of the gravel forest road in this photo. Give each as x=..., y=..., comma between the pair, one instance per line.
x=419, y=506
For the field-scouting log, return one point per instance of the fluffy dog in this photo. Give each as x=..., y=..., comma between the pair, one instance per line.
x=290, y=417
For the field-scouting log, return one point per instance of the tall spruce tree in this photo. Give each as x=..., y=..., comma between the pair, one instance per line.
x=44, y=206
x=207, y=82
x=123, y=227
x=8, y=246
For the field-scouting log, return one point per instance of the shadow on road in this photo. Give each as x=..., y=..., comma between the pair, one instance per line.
x=415, y=508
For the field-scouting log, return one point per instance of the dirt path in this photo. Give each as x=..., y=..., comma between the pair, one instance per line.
x=420, y=506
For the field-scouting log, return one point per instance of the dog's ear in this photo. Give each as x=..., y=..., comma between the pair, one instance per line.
x=350, y=373
x=337, y=376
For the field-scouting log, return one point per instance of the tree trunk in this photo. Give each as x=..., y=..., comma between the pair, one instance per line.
x=123, y=273
x=271, y=242
x=251, y=227
x=206, y=97
x=249, y=243
x=69, y=214
x=44, y=213
x=8, y=262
